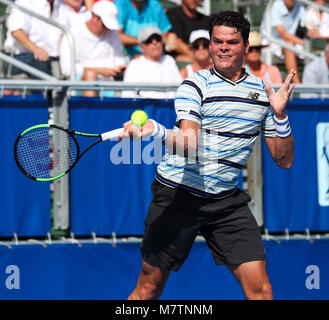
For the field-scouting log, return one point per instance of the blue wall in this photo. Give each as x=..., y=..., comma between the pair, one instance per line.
x=101, y=271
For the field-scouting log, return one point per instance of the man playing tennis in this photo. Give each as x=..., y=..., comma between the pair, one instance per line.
x=220, y=113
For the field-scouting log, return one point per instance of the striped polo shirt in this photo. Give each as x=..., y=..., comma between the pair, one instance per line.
x=231, y=116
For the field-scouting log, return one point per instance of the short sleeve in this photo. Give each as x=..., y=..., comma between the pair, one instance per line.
x=189, y=98
x=268, y=126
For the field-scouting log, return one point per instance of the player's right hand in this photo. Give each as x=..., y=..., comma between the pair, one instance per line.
x=136, y=133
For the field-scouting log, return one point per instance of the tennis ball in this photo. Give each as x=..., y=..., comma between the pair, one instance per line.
x=139, y=118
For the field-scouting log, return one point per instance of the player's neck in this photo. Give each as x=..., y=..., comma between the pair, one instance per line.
x=231, y=75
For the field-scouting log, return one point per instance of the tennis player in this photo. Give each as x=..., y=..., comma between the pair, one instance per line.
x=220, y=113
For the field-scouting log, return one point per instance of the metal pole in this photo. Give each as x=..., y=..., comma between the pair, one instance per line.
x=58, y=105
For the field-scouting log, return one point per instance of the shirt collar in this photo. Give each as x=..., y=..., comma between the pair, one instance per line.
x=234, y=83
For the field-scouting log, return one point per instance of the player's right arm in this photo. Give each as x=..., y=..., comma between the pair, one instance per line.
x=183, y=142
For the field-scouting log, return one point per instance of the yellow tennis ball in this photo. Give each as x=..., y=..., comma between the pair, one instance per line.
x=139, y=118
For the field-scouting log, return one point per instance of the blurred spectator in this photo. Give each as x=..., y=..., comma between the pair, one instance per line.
x=254, y=65
x=153, y=66
x=136, y=14
x=286, y=16
x=199, y=43
x=99, y=52
x=77, y=12
x=317, y=21
x=184, y=20
x=317, y=72
x=89, y=3
x=33, y=41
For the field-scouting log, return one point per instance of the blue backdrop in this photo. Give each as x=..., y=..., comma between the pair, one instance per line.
x=100, y=271
x=24, y=204
x=108, y=197
x=291, y=197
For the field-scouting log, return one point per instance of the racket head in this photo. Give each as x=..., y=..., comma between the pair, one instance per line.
x=46, y=152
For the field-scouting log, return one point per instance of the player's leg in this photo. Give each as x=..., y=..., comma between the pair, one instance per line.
x=253, y=279
x=168, y=238
x=151, y=283
x=234, y=239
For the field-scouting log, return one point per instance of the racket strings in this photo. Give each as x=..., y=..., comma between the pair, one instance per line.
x=46, y=152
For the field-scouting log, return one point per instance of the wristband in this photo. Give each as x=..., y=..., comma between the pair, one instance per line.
x=160, y=131
x=282, y=127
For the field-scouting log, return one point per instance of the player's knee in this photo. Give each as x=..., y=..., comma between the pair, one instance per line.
x=261, y=291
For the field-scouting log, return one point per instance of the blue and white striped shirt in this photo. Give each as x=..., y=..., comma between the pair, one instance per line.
x=231, y=116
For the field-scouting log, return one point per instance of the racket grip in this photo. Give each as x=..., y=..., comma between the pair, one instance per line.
x=111, y=135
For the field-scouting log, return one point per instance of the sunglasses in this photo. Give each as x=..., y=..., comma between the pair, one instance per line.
x=257, y=48
x=155, y=37
x=197, y=44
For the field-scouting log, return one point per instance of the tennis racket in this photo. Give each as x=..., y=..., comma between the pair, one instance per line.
x=48, y=152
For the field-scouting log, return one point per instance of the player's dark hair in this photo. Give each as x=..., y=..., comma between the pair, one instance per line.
x=231, y=19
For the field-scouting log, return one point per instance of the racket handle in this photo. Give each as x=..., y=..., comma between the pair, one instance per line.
x=113, y=134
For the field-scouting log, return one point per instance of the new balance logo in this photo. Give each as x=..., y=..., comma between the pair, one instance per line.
x=253, y=95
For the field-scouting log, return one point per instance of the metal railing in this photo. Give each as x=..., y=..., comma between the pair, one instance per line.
x=65, y=30
x=120, y=86
x=114, y=241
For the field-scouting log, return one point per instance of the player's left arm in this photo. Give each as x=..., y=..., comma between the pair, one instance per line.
x=282, y=146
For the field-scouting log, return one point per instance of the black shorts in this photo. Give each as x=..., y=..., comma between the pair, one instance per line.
x=176, y=217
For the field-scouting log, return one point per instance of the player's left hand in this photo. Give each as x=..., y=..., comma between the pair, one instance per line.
x=279, y=99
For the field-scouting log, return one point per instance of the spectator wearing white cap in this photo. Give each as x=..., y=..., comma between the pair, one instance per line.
x=152, y=66
x=254, y=65
x=99, y=52
x=199, y=46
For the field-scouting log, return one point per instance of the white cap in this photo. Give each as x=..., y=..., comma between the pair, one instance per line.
x=145, y=33
x=199, y=34
x=108, y=12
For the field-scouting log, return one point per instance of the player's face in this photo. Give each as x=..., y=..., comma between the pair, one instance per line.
x=227, y=50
